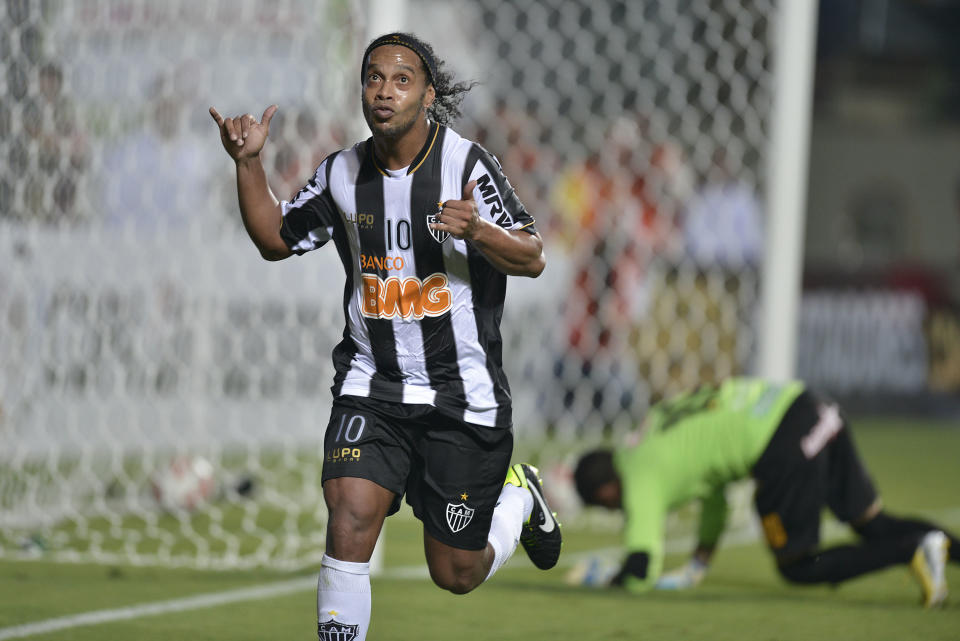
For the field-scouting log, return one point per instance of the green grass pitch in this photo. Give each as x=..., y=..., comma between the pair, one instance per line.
x=916, y=465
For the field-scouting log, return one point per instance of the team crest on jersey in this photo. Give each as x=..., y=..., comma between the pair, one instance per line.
x=459, y=516
x=333, y=630
x=438, y=235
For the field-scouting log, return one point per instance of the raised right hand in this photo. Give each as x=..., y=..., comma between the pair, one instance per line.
x=243, y=137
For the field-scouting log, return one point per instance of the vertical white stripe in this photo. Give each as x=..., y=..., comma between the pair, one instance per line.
x=471, y=358
x=343, y=187
x=407, y=333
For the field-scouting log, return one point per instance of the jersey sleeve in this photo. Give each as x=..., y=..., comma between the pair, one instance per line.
x=496, y=198
x=645, y=514
x=309, y=218
x=713, y=517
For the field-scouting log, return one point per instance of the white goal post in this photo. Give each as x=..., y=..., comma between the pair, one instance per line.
x=796, y=31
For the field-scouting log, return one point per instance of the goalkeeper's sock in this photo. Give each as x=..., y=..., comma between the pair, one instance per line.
x=884, y=525
x=843, y=562
x=343, y=599
x=513, y=509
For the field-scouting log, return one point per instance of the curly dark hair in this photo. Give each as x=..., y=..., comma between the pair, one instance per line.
x=446, y=106
x=594, y=469
x=449, y=93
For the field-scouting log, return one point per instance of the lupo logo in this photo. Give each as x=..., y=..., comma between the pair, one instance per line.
x=364, y=221
x=407, y=298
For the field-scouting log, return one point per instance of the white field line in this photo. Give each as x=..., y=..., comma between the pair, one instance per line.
x=733, y=538
x=213, y=599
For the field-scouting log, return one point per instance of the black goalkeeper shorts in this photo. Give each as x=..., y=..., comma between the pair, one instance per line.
x=810, y=463
x=451, y=471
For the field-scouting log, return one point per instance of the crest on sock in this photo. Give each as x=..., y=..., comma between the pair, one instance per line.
x=333, y=630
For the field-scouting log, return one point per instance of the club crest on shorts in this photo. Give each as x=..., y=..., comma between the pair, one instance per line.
x=333, y=630
x=459, y=516
x=438, y=235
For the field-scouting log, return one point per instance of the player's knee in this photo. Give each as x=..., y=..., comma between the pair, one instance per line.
x=796, y=570
x=354, y=508
x=453, y=576
x=788, y=571
x=457, y=582
x=353, y=528
x=351, y=521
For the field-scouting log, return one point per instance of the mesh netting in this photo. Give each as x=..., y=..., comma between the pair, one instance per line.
x=139, y=326
x=638, y=129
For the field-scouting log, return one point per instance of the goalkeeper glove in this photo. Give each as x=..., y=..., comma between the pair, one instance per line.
x=593, y=572
x=685, y=577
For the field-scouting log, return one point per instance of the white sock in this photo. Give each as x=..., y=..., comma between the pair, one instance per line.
x=343, y=599
x=513, y=508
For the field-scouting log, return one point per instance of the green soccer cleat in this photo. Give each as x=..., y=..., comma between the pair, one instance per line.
x=540, y=536
x=928, y=566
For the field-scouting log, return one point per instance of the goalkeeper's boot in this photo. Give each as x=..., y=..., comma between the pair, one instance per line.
x=928, y=566
x=540, y=535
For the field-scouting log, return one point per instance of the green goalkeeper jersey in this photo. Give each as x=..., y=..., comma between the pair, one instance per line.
x=692, y=446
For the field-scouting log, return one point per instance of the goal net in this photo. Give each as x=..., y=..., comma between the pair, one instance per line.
x=164, y=391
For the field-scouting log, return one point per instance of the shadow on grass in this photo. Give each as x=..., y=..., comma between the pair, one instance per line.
x=729, y=592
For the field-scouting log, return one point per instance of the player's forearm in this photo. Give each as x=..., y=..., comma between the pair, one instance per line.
x=260, y=209
x=713, y=519
x=704, y=553
x=513, y=253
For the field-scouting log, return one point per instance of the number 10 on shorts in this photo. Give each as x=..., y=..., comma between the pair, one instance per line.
x=350, y=430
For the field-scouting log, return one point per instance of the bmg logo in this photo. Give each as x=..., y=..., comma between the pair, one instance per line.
x=407, y=298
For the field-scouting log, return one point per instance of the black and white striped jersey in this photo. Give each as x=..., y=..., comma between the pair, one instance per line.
x=422, y=312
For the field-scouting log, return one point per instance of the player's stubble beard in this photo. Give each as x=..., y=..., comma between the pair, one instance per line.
x=397, y=127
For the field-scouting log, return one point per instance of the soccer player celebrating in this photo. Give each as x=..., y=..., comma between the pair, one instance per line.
x=427, y=228
x=799, y=449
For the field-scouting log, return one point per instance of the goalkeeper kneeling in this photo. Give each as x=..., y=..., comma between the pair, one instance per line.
x=798, y=448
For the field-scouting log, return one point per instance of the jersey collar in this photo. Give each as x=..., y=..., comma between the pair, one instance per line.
x=418, y=159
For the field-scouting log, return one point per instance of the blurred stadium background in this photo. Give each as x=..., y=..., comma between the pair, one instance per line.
x=138, y=323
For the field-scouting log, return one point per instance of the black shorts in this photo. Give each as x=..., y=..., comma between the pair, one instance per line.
x=810, y=463
x=451, y=471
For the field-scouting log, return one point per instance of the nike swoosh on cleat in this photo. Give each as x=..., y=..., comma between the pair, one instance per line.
x=548, y=524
